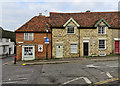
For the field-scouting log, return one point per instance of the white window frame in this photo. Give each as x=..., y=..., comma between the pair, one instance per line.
x=102, y=27
x=68, y=31
x=73, y=47
x=28, y=36
x=105, y=45
x=28, y=56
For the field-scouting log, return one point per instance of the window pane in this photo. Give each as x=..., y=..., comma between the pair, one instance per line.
x=28, y=36
x=28, y=51
x=102, y=44
x=73, y=48
x=101, y=29
x=70, y=29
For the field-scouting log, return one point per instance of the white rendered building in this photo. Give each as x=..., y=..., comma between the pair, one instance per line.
x=6, y=47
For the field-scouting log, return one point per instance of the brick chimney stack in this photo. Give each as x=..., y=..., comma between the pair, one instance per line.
x=40, y=14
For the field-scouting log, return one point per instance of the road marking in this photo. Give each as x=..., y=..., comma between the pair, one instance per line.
x=105, y=81
x=9, y=82
x=23, y=64
x=109, y=75
x=102, y=72
x=86, y=79
x=9, y=79
x=6, y=63
x=22, y=79
x=15, y=81
x=91, y=65
x=113, y=66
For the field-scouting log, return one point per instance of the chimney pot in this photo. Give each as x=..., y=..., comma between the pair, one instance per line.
x=88, y=11
x=40, y=14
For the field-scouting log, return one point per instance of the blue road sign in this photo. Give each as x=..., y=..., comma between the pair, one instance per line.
x=46, y=39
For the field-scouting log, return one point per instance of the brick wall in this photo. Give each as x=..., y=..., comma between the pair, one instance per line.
x=38, y=40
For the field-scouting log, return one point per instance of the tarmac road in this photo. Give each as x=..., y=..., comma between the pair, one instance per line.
x=60, y=74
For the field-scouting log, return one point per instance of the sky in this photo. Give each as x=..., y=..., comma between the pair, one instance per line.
x=15, y=13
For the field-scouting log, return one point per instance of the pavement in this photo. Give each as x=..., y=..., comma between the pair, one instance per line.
x=64, y=60
x=5, y=56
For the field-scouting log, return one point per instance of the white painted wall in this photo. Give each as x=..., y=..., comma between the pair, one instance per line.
x=11, y=45
x=1, y=50
x=8, y=44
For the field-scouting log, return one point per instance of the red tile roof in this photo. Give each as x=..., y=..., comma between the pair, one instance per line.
x=37, y=23
x=85, y=19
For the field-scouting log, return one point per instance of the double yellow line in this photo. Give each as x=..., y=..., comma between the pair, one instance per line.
x=103, y=82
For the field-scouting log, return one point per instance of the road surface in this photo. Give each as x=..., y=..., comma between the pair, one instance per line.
x=60, y=74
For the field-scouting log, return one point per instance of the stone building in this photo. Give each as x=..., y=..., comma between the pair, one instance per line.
x=84, y=34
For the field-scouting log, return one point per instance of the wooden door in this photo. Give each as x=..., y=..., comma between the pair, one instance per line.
x=59, y=51
x=85, y=48
x=117, y=46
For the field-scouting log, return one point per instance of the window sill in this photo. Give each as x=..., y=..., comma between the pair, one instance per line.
x=101, y=34
x=28, y=40
x=102, y=49
x=73, y=53
x=71, y=33
x=28, y=55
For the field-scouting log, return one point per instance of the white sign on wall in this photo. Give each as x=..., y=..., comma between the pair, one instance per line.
x=40, y=48
x=20, y=42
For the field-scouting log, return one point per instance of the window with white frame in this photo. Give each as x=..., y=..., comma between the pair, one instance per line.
x=28, y=36
x=102, y=44
x=70, y=29
x=28, y=51
x=101, y=30
x=73, y=48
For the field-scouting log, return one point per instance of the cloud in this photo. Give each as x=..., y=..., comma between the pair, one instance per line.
x=16, y=13
x=59, y=0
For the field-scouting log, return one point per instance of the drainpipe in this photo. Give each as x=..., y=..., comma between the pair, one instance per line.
x=79, y=42
x=51, y=42
x=51, y=36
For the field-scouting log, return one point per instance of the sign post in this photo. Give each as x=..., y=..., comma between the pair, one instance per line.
x=46, y=42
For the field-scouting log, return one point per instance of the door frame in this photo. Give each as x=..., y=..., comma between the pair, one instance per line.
x=59, y=43
x=23, y=52
x=86, y=41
